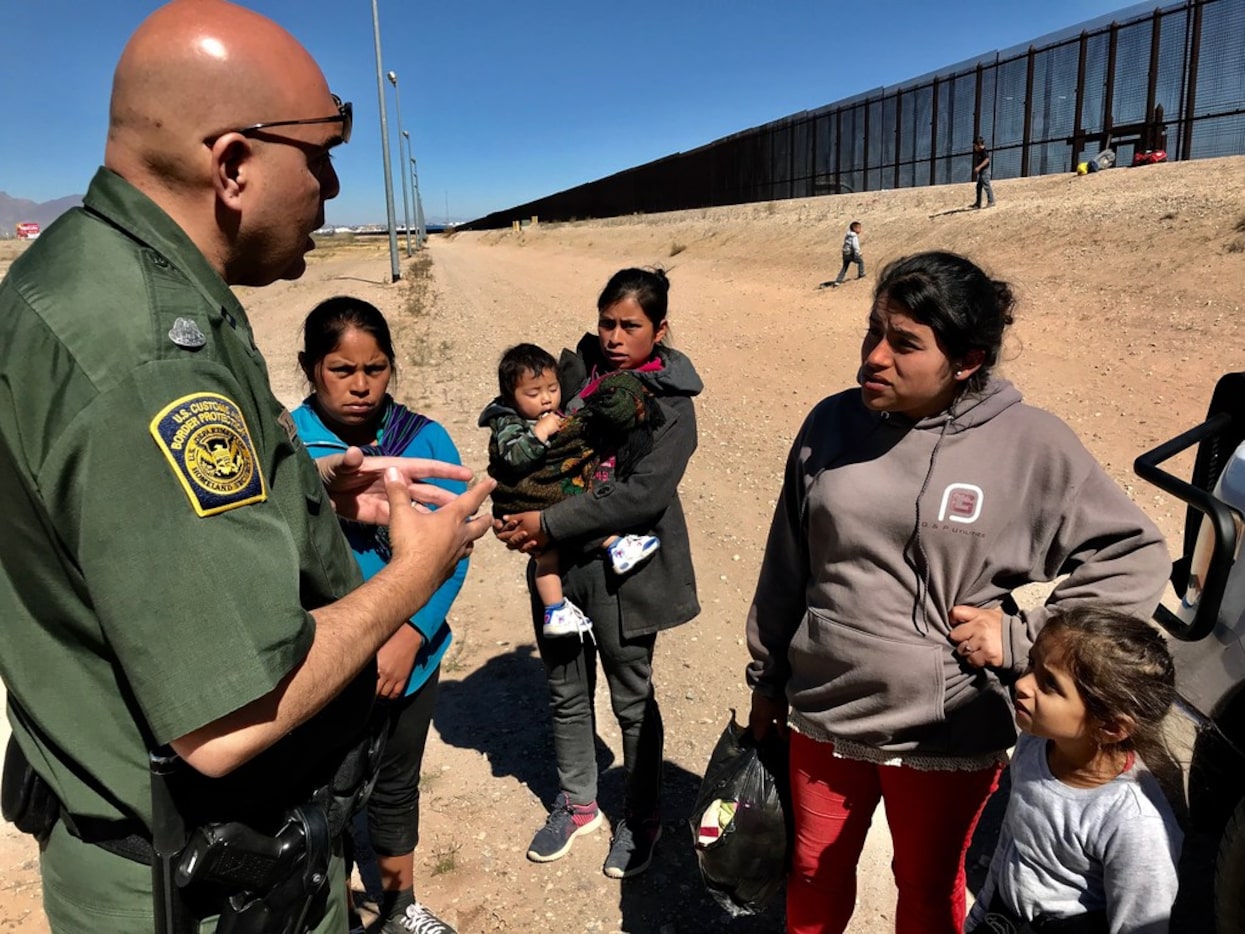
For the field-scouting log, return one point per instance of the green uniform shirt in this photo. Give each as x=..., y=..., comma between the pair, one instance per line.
x=166, y=533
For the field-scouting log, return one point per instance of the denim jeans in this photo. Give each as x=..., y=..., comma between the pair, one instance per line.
x=571, y=668
x=856, y=258
x=983, y=183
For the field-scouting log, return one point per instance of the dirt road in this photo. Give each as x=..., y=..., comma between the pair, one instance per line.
x=1131, y=288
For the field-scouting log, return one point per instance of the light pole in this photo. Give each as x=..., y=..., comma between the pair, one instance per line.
x=419, y=203
x=406, y=198
x=394, y=269
x=414, y=204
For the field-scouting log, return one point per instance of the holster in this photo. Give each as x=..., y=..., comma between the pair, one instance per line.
x=275, y=883
x=26, y=800
x=259, y=883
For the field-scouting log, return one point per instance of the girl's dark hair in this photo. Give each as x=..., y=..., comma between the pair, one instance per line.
x=519, y=361
x=649, y=287
x=328, y=321
x=1122, y=669
x=965, y=308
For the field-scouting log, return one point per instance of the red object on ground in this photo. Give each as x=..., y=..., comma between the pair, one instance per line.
x=1150, y=157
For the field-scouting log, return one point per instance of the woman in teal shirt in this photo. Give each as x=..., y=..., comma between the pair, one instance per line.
x=348, y=359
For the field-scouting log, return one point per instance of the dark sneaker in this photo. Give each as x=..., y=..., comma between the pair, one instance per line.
x=565, y=822
x=631, y=850
x=417, y=920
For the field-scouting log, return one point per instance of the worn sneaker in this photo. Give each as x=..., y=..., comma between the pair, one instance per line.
x=566, y=619
x=629, y=551
x=631, y=850
x=417, y=920
x=565, y=822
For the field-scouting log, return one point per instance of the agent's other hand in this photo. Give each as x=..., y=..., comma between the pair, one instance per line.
x=356, y=484
x=440, y=538
x=522, y=532
x=978, y=638
x=767, y=714
x=396, y=660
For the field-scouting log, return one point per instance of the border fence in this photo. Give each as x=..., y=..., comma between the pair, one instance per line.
x=1151, y=77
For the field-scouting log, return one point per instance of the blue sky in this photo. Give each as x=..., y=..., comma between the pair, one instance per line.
x=506, y=102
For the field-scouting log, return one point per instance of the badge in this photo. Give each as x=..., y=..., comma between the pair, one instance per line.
x=185, y=333
x=205, y=439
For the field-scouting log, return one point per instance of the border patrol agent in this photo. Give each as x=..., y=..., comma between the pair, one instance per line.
x=172, y=574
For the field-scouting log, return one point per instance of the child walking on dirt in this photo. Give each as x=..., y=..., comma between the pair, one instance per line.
x=851, y=253
x=539, y=456
x=1089, y=843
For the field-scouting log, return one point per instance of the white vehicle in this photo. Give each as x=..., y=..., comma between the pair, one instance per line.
x=1209, y=631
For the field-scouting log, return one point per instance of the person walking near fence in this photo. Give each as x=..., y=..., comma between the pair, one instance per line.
x=851, y=253
x=981, y=172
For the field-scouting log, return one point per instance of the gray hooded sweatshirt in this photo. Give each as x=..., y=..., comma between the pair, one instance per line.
x=884, y=524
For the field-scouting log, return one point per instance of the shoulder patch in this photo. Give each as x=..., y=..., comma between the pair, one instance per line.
x=205, y=439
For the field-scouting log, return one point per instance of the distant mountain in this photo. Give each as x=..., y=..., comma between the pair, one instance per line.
x=15, y=210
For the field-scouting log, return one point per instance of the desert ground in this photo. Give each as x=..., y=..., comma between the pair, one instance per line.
x=1131, y=289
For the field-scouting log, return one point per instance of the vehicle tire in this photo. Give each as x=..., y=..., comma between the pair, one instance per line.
x=1230, y=875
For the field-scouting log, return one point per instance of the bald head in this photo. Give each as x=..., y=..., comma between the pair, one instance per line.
x=192, y=73
x=193, y=69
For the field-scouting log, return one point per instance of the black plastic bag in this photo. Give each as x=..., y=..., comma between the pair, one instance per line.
x=740, y=822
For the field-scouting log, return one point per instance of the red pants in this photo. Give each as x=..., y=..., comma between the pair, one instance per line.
x=931, y=816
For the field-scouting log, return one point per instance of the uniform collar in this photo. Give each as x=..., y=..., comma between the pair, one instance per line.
x=129, y=210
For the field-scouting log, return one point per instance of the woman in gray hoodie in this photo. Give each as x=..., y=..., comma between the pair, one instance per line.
x=627, y=611
x=883, y=630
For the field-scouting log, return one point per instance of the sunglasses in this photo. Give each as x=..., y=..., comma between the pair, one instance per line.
x=344, y=115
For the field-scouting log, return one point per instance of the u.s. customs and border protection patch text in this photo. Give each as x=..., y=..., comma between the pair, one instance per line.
x=205, y=439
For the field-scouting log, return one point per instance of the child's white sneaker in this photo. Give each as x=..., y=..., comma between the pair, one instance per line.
x=565, y=619
x=630, y=550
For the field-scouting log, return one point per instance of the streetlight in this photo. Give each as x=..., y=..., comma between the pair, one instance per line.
x=384, y=147
x=406, y=198
x=412, y=213
x=419, y=203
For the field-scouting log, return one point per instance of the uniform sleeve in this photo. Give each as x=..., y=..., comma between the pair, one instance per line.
x=203, y=612
x=1114, y=556
x=434, y=441
x=779, y=603
x=638, y=501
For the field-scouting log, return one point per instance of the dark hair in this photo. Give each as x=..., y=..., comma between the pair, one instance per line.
x=1122, y=669
x=518, y=361
x=853, y=225
x=328, y=321
x=649, y=287
x=979, y=139
x=965, y=308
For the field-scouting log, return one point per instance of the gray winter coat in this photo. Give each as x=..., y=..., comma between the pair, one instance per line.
x=662, y=593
